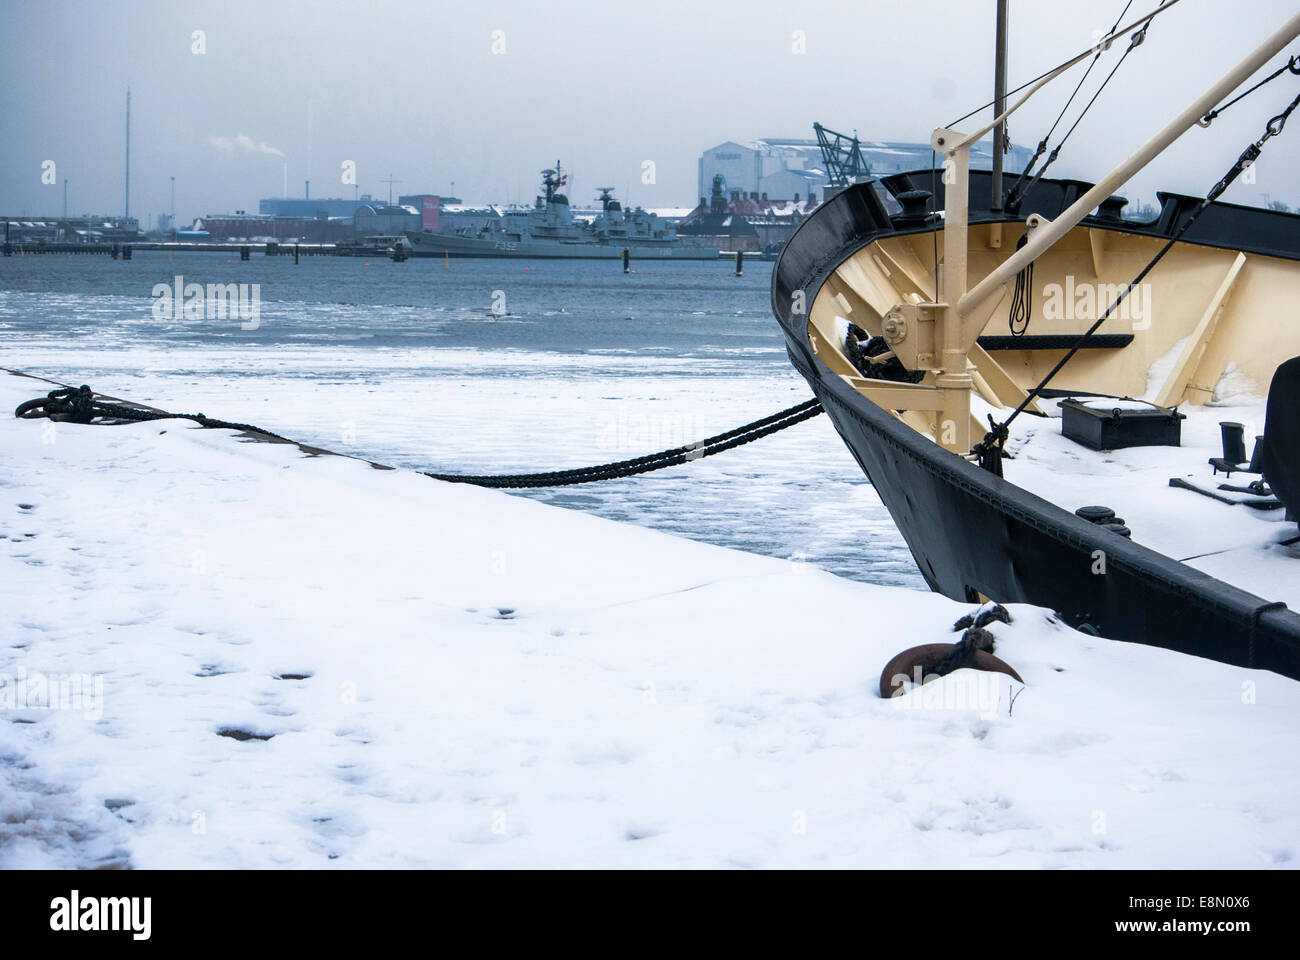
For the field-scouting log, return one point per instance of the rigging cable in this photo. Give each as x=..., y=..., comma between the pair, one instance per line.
x=1165, y=5
x=1021, y=189
x=988, y=452
x=1042, y=144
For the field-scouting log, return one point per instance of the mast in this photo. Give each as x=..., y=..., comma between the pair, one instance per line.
x=999, y=103
x=957, y=322
x=1044, y=233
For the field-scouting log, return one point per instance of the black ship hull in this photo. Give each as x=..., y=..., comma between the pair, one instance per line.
x=972, y=532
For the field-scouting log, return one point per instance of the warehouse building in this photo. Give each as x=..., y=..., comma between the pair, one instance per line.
x=789, y=170
x=385, y=220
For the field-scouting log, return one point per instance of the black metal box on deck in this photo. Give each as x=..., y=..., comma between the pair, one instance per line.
x=1104, y=424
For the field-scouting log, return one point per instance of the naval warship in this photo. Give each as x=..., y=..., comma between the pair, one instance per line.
x=549, y=230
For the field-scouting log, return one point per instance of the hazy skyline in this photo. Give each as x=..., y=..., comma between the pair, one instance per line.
x=435, y=93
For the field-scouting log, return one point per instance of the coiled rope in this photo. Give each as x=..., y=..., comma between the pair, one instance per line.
x=78, y=405
x=1022, y=301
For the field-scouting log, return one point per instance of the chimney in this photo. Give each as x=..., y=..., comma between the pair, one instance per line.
x=796, y=198
x=812, y=198
x=127, y=214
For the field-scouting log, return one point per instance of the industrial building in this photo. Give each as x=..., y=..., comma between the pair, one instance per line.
x=323, y=220
x=385, y=220
x=89, y=228
x=308, y=208
x=243, y=226
x=789, y=170
x=746, y=222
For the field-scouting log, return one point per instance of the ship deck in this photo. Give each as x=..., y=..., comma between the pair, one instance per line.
x=1233, y=543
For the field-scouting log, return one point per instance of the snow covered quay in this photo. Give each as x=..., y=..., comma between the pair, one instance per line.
x=217, y=652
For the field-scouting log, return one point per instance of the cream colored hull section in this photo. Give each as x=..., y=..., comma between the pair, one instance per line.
x=1202, y=313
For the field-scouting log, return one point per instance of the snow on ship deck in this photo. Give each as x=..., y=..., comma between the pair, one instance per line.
x=490, y=681
x=1231, y=542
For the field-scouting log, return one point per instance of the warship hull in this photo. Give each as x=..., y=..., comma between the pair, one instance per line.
x=451, y=245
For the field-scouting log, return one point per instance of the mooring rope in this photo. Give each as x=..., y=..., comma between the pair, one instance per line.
x=78, y=405
x=655, y=461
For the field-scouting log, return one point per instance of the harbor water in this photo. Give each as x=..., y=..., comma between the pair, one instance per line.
x=480, y=366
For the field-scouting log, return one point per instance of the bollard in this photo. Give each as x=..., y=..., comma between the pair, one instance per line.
x=740, y=263
x=295, y=253
x=244, y=254
x=114, y=251
x=1234, y=443
x=627, y=260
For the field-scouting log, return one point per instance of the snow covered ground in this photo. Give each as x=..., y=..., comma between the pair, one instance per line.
x=448, y=676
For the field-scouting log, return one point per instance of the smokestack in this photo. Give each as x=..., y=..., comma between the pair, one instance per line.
x=128, y=152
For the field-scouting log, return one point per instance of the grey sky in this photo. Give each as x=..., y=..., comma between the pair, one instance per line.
x=414, y=88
